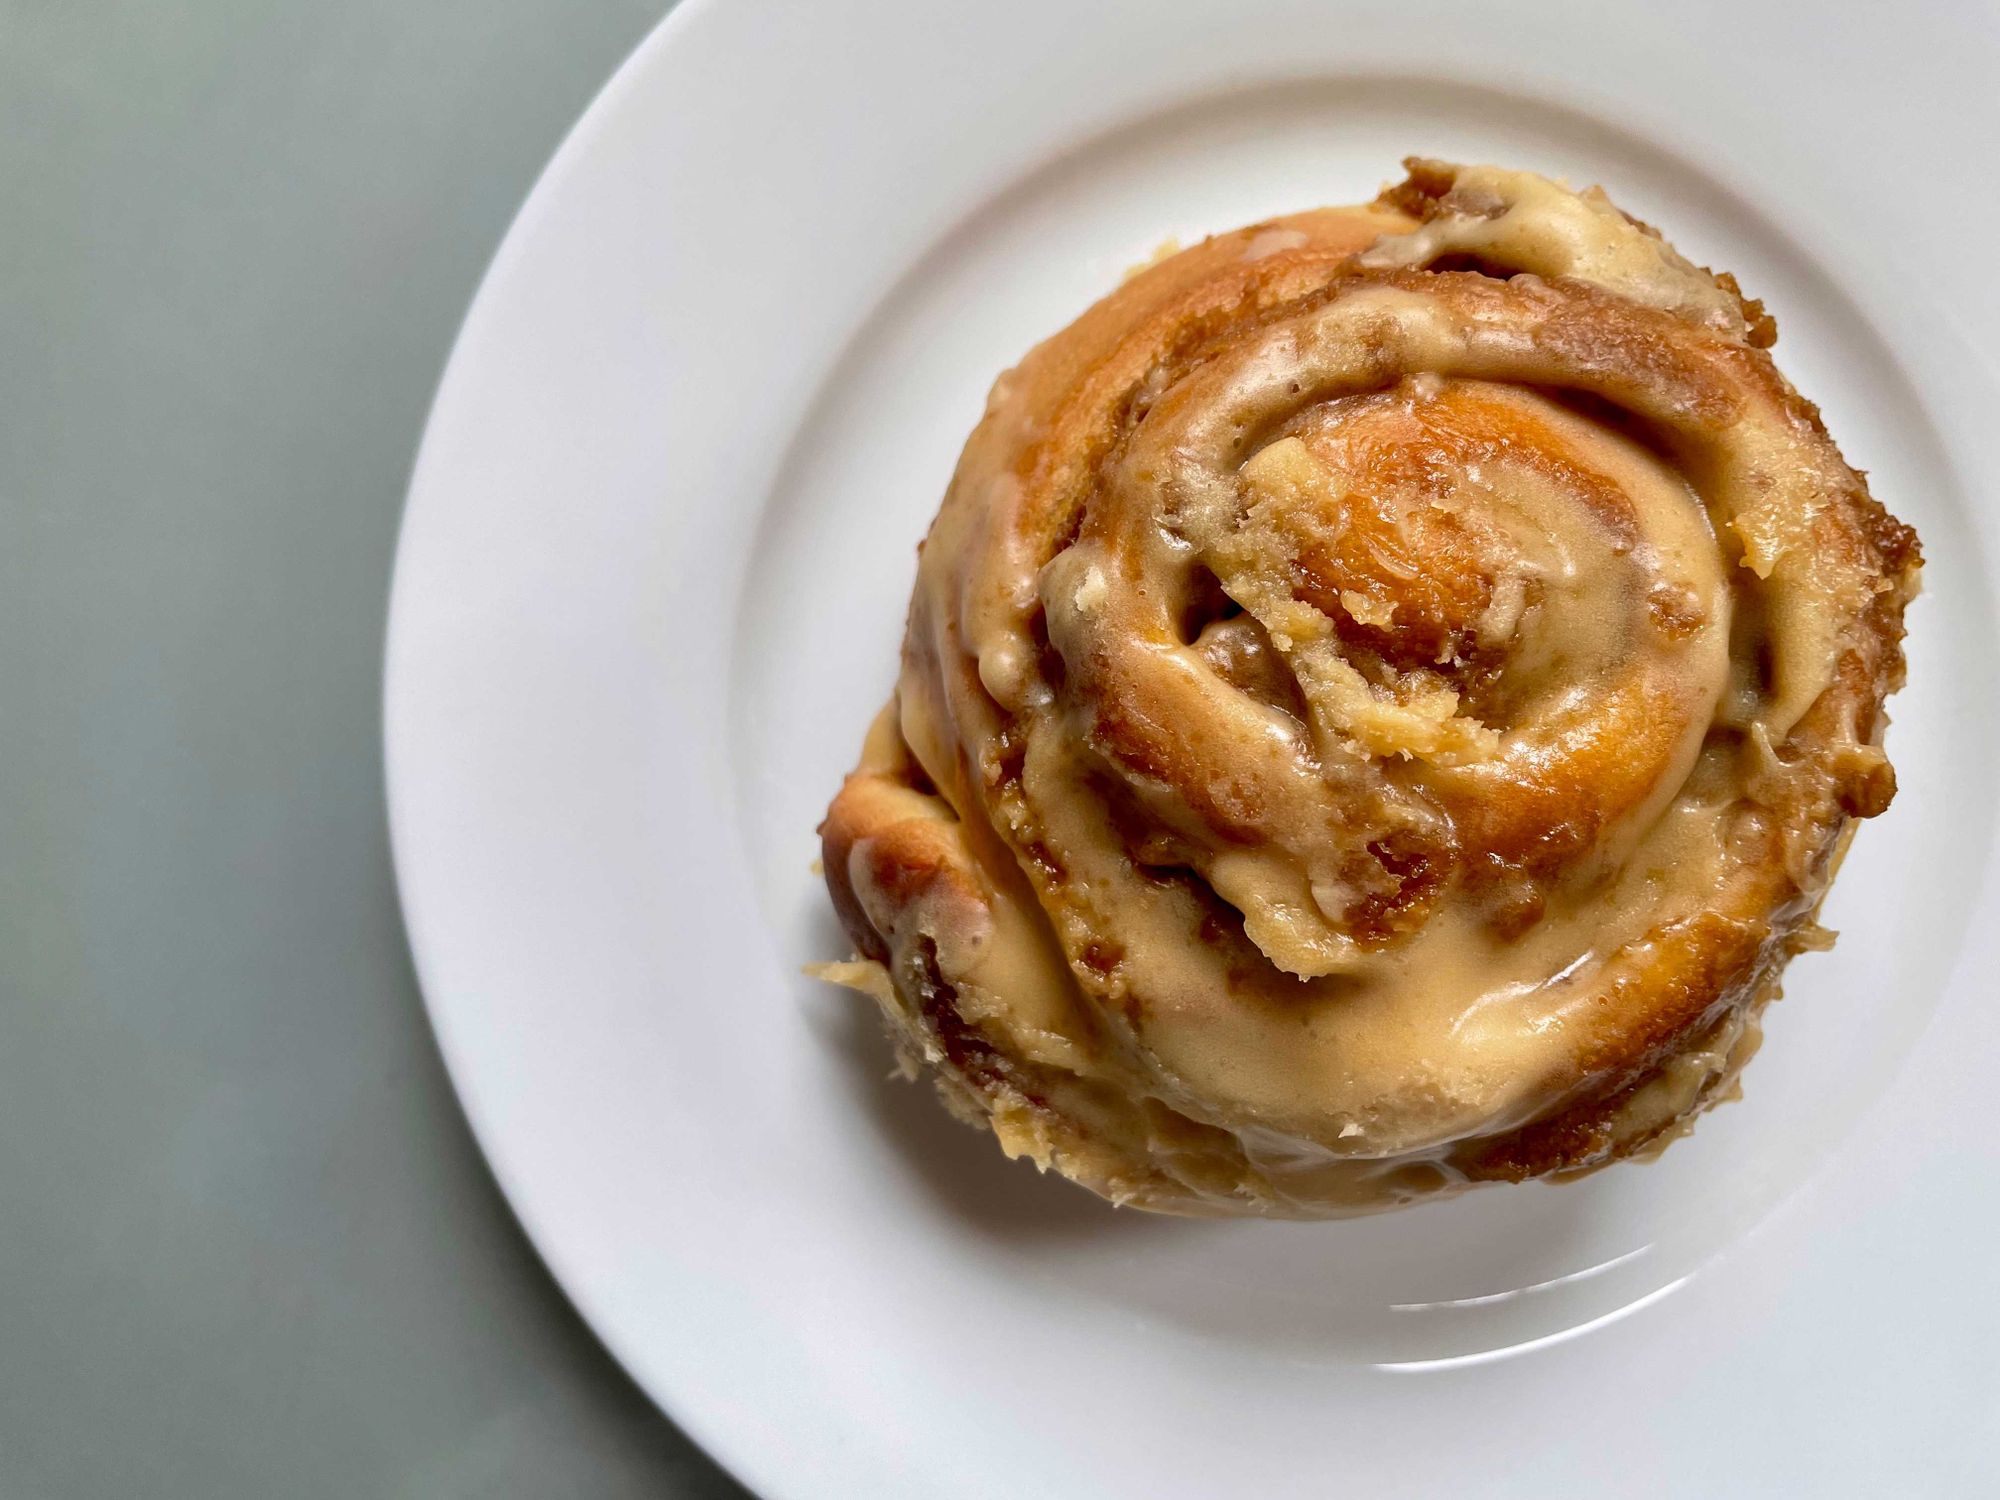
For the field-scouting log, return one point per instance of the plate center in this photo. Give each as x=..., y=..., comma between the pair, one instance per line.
x=1502, y=1269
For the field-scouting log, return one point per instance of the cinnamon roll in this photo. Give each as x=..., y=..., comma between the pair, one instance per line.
x=1382, y=701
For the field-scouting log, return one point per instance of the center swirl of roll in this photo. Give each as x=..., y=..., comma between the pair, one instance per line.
x=1351, y=642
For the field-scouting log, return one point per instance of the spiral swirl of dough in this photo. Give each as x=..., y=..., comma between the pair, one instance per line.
x=1381, y=701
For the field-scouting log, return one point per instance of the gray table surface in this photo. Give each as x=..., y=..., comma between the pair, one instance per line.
x=248, y=1246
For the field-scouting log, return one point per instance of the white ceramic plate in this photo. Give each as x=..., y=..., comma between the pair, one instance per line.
x=649, y=593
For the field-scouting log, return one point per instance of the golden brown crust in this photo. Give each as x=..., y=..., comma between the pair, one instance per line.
x=1380, y=700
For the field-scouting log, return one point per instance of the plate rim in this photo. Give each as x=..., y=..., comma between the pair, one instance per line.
x=711, y=1438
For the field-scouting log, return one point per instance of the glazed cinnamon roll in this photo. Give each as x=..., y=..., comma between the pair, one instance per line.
x=1382, y=701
